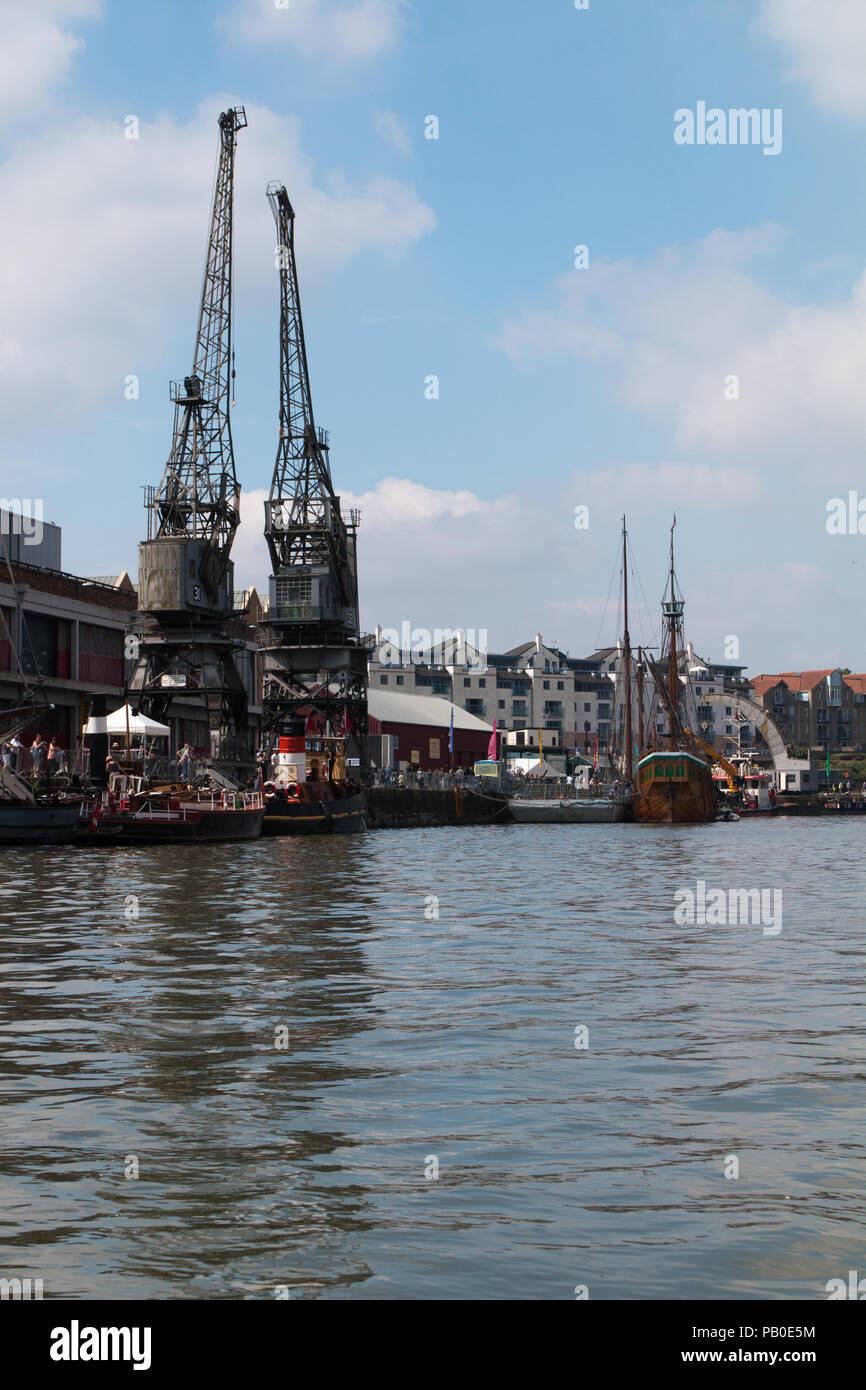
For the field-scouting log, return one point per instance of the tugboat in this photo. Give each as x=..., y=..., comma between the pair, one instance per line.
x=299, y=800
x=674, y=784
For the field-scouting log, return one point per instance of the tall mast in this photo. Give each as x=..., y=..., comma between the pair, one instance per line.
x=626, y=656
x=673, y=610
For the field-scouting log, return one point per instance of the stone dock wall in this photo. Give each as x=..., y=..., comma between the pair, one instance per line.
x=391, y=808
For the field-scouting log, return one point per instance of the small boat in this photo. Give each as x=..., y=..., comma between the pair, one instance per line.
x=590, y=811
x=759, y=794
x=155, y=816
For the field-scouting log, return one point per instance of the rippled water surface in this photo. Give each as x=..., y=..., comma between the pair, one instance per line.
x=305, y=1163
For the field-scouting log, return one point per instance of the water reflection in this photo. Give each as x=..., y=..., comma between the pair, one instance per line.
x=411, y=1036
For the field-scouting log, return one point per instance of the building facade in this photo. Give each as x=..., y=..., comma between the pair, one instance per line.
x=68, y=635
x=822, y=710
x=530, y=687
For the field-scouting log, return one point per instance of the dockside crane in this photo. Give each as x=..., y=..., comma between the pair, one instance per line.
x=314, y=664
x=186, y=650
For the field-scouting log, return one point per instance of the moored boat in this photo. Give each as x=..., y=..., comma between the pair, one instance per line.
x=155, y=816
x=298, y=798
x=38, y=822
x=674, y=787
x=673, y=780
x=589, y=811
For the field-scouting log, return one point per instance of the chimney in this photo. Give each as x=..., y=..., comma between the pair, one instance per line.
x=691, y=651
x=538, y=642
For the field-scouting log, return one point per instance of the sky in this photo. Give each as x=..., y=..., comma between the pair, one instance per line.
x=704, y=355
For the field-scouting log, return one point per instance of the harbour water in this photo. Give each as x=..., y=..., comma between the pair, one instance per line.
x=285, y=1042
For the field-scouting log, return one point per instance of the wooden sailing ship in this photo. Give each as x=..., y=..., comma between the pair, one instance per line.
x=673, y=781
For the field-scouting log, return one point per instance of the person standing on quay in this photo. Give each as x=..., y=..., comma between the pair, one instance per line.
x=37, y=748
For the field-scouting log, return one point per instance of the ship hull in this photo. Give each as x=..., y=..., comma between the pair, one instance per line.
x=24, y=824
x=342, y=816
x=187, y=824
x=595, y=812
x=674, y=788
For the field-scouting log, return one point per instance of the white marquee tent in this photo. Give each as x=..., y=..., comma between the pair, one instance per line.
x=122, y=720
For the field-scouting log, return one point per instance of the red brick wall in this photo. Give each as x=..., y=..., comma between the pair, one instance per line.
x=469, y=745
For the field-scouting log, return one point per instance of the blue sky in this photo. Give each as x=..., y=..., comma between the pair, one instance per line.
x=454, y=257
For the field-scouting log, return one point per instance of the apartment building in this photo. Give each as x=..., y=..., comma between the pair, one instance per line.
x=820, y=710
x=529, y=687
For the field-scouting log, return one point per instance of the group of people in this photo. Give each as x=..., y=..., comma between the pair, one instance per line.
x=45, y=755
x=431, y=780
x=846, y=787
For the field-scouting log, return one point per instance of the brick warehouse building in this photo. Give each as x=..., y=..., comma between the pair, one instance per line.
x=72, y=633
x=420, y=725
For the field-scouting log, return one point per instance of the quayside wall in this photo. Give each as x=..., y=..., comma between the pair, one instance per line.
x=391, y=808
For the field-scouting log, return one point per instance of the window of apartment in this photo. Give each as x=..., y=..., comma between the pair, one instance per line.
x=560, y=685
x=586, y=707
x=546, y=685
x=482, y=683
x=400, y=680
x=467, y=681
x=383, y=680
x=501, y=704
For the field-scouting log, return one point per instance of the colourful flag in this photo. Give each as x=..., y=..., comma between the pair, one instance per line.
x=491, y=747
x=451, y=734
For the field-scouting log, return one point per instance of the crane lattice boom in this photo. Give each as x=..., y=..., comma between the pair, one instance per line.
x=198, y=495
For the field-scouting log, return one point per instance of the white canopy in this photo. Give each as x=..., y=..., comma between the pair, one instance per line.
x=540, y=769
x=116, y=723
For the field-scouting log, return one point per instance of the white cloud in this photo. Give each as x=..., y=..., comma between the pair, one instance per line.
x=337, y=32
x=825, y=44
x=441, y=558
x=37, y=48
x=392, y=130
x=438, y=542
x=90, y=295
x=673, y=331
x=396, y=502
x=639, y=486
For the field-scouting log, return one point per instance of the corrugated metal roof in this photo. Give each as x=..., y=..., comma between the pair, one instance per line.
x=397, y=707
